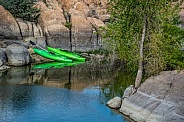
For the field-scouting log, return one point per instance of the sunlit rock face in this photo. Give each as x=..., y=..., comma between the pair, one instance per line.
x=66, y=24
x=28, y=29
x=52, y=22
x=81, y=32
x=159, y=99
x=13, y=28
x=69, y=24
x=8, y=25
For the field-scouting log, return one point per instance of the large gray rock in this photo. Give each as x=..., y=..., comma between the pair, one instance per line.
x=17, y=55
x=8, y=25
x=159, y=99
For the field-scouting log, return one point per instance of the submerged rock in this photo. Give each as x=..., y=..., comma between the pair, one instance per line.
x=159, y=99
x=114, y=103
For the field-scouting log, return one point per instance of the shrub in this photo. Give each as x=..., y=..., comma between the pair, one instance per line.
x=21, y=9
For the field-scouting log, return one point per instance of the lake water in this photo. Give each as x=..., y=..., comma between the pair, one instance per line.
x=68, y=94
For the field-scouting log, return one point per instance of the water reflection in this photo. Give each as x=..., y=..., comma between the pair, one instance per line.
x=112, y=79
x=88, y=86
x=77, y=77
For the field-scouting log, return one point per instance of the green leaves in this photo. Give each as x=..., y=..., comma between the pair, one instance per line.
x=21, y=9
x=163, y=37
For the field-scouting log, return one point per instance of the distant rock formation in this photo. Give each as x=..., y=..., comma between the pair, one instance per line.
x=70, y=24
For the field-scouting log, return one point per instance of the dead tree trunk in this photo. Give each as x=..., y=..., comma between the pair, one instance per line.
x=140, y=70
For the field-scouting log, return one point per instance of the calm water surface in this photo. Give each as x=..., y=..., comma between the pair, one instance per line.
x=68, y=94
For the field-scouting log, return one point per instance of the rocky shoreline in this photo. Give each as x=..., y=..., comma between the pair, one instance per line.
x=85, y=18
x=159, y=99
x=18, y=55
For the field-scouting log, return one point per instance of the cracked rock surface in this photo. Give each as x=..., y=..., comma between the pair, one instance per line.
x=159, y=99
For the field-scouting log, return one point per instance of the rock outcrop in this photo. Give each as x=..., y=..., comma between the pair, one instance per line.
x=81, y=32
x=51, y=19
x=159, y=99
x=8, y=25
x=58, y=17
x=17, y=55
x=68, y=24
x=29, y=29
x=12, y=28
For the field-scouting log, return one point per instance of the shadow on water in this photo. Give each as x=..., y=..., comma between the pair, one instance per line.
x=21, y=87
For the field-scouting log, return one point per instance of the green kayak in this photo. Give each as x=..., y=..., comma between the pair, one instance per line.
x=67, y=54
x=51, y=56
x=55, y=65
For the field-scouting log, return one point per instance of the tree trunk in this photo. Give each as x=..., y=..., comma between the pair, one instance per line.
x=140, y=70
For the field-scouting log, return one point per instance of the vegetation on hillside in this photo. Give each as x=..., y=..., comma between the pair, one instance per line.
x=21, y=9
x=145, y=35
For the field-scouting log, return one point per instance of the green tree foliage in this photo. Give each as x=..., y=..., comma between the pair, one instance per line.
x=21, y=9
x=163, y=39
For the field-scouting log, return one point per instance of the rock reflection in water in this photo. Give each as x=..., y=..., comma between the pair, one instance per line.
x=12, y=96
x=15, y=75
x=77, y=77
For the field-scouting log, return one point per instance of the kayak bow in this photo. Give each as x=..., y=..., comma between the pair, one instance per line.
x=51, y=56
x=66, y=53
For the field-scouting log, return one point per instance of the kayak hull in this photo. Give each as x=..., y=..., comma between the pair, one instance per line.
x=67, y=54
x=51, y=56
